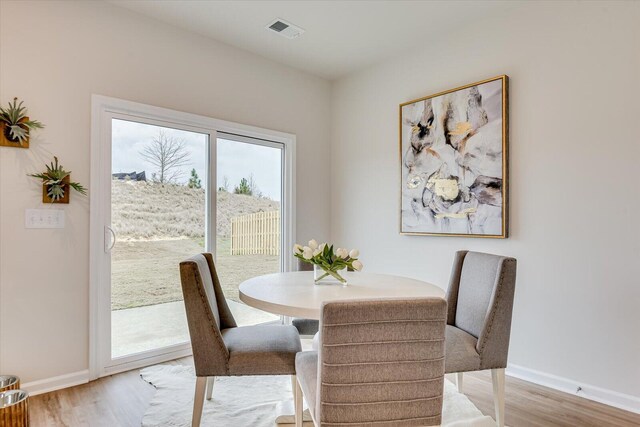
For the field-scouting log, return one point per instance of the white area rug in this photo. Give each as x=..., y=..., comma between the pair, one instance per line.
x=253, y=401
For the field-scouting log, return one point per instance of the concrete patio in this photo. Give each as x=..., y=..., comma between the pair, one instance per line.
x=134, y=330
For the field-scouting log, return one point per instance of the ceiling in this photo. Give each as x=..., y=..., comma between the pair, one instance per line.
x=341, y=36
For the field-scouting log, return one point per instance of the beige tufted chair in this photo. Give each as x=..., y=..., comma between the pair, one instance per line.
x=380, y=362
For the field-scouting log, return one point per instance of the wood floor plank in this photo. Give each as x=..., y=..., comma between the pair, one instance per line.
x=122, y=399
x=532, y=405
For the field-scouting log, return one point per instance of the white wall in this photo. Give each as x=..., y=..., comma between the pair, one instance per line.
x=574, y=112
x=54, y=55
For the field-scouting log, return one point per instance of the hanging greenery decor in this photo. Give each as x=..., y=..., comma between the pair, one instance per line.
x=16, y=125
x=56, y=183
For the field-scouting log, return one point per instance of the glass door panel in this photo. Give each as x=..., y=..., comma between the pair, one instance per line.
x=249, y=222
x=158, y=218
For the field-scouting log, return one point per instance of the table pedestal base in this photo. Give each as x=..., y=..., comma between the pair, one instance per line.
x=285, y=415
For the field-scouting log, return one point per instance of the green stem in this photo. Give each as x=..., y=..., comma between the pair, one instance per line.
x=338, y=277
x=334, y=274
x=322, y=277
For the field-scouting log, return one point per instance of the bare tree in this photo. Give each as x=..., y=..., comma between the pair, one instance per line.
x=225, y=184
x=168, y=154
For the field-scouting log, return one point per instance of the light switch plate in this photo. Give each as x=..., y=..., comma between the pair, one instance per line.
x=44, y=218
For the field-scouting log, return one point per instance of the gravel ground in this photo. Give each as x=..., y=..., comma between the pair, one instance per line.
x=150, y=211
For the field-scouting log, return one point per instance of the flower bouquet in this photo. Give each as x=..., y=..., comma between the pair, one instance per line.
x=327, y=262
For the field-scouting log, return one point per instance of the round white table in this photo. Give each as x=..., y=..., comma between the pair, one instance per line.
x=295, y=294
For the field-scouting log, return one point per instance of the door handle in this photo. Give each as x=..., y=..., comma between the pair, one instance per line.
x=107, y=246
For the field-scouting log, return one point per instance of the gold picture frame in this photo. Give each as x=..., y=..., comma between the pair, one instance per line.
x=436, y=199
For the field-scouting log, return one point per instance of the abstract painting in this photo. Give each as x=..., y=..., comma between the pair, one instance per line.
x=453, y=153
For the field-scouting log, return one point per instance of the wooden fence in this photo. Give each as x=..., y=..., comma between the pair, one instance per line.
x=257, y=233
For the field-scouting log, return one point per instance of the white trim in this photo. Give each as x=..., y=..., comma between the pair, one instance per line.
x=118, y=367
x=112, y=365
x=103, y=110
x=56, y=383
x=96, y=221
x=288, y=205
x=211, y=210
x=623, y=401
x=166, y=115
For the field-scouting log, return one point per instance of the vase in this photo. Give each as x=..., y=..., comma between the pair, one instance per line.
x=9, y=382
x=14, y=408
x=322, y=275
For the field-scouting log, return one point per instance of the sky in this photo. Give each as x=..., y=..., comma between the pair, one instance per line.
x=235, y=160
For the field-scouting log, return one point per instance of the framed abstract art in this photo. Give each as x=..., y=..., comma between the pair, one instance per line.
x=453, y=154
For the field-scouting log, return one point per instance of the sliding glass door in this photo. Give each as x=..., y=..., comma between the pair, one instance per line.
x=164, y=189
x=159, y=203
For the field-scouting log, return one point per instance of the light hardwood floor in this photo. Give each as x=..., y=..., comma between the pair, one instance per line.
x=121, y=400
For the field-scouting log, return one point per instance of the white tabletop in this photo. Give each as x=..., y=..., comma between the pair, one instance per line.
x=295, y=294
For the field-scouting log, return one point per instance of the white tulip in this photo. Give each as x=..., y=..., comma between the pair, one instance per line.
x=313, y=244
x=307, y=252
x=322, y=246
x=297, y=248
x=354, y=253
x=316, y=252
x=357, y=265
x=342, y=253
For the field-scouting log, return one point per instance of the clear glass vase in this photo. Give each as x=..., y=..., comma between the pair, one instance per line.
x=324, y=276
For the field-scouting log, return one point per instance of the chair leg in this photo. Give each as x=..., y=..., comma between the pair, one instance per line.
x=497, y=377
x=298, y=404
x=198, y=401
x=459, y=378
x=293, y=389
x=210, y=381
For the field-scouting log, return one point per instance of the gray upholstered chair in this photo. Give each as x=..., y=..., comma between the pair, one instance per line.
x=380, y=362
x=305, y=326
x=220, y=347
x=480, y=303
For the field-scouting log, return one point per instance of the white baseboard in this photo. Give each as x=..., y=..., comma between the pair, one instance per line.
x=587, y=391
x=56, y=383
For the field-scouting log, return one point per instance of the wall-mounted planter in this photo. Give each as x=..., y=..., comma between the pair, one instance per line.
x=57, y=184
x=16, y=125
x=7, y=141
x=66, y=187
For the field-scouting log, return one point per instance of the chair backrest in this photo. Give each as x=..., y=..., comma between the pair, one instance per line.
x=381, y=361
x=480, y=298
x=207, y=314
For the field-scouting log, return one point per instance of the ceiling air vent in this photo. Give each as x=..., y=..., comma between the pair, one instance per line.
x=285, y=29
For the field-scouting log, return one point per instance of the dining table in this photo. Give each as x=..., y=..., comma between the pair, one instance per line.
x=294, y=294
